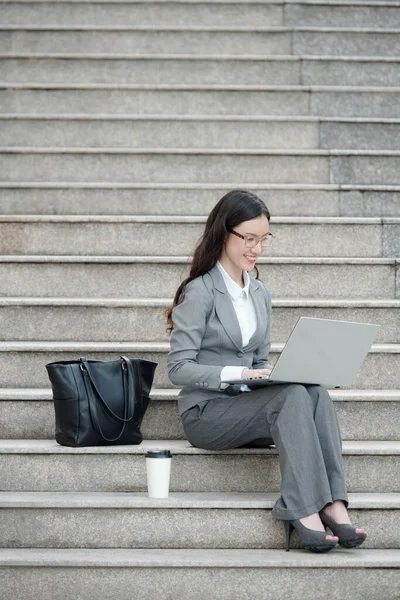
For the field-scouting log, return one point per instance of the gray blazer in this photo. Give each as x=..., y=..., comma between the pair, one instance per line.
x=207, y=337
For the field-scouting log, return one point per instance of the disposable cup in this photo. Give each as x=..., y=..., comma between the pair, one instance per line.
x=158, y=467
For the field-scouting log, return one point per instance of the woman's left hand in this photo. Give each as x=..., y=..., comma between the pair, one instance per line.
x=246, y=373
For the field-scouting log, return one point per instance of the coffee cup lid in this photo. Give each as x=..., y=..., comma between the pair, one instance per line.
x=158, y=454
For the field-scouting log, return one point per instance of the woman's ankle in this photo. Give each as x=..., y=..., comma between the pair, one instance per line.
x=337, y=511
x=313, y=522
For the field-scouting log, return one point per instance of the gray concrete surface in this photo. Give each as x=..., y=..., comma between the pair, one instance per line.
x=124, y=236
x=111, y=520
x=158, y=277
x=34, y=419
x=163, y=166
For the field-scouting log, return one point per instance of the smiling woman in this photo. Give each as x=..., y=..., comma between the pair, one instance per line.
x=220, y=331
x=227, y=219
x=253, y=246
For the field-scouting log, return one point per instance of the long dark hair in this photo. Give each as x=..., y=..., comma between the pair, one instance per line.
x=234, y=208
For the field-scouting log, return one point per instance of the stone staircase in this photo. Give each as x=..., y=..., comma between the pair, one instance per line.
x=122, y=124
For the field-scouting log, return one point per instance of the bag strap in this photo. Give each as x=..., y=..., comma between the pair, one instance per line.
x=130, y=384
x=131, y=387
x=134, y=380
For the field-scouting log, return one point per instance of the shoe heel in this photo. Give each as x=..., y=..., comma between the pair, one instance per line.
x=288, y=531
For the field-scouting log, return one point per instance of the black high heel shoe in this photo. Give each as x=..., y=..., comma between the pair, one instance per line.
x=348, y=538
x=312, y=540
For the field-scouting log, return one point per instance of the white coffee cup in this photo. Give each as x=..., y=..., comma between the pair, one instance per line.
x=158, y=467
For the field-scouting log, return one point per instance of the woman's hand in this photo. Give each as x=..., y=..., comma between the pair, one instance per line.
x=246, y=373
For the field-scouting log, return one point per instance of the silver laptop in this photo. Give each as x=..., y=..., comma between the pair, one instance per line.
x=320, y=351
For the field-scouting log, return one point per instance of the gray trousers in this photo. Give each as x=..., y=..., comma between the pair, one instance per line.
x=301, y=422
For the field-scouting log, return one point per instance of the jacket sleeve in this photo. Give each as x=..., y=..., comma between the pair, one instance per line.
x=190, y=321
x=261, y=354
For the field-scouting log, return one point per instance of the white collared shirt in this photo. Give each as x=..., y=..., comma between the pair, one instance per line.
x=246, y=316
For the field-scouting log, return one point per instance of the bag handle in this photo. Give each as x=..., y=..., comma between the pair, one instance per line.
x=131, y=387
x=130, y=379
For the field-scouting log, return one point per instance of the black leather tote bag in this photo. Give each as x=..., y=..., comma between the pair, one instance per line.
x=100, y=403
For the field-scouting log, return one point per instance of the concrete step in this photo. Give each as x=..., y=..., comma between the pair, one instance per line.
x=136, y=131
x=182, y=165
x=360, y=134
x=161, y=69
x=201, y=69
x=357, y=71
x=342, y=14
x=154, y=14
x=226, y=14
x=175, y=131
x=199, y=99
x=159, y=276
x=189, y=520
x=345, y=42
x=29, y=414
x=369, y=201
x=170, y=199
x=22, y=364
x=355, y=102
x=132, y=235
x=175, y=165
x=120, y=320
x=52, y=574
x=193, y=40
x=367, y=167
x=173, y=40
x=320, y=200
x=43, y=465
x=151, y=99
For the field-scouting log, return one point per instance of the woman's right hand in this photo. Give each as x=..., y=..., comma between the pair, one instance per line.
x=247, y=373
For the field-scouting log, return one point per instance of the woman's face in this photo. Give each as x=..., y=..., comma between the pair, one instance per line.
x=236, y=257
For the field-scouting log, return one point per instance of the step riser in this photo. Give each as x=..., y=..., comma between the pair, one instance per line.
x=195, y=583
x=148, y=324
x=158, y=280
x=166, y=134
x=35, y=420
x=182, y=528
x=303, y=15
x=377, y=170
x=200, y=134
x=360, y=136
x=208, y=102
x=355, y=104
x=165, y=168
x=191, y=473
x=135, y=15
x=199, y=71
x=160, y=42
x=345, y=44
x=164, y=42
x=220, y=584
x=163, y=15
x=155, y=71
x=179, y=239
x=363, y=73
x=27, y=369
x=100, y=201
x=206, y=168
x=369, y=204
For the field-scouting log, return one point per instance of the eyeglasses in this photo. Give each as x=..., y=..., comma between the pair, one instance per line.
x=251, y=241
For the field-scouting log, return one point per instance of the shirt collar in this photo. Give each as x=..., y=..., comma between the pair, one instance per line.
x=234, y=290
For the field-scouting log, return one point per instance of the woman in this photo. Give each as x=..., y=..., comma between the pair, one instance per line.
x=220, y=331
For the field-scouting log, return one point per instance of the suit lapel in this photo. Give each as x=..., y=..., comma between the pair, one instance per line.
x=258, y=302
x=224, y=309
